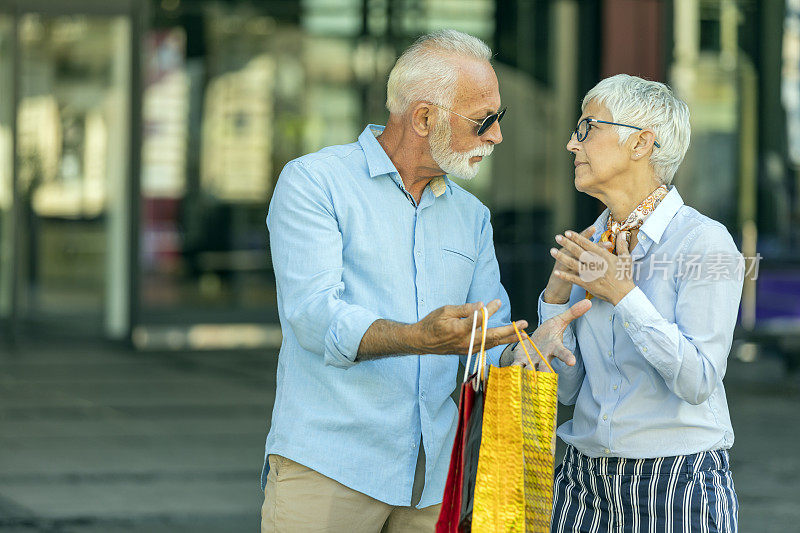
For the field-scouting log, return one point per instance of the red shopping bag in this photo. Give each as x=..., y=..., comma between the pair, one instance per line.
x=451, y=505
x=450, y=514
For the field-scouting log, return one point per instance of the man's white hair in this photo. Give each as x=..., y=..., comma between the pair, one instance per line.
x=427, y=70
x=647, y=104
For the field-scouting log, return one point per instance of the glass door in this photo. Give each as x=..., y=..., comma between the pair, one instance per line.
x=71, y=167
x=6, y=170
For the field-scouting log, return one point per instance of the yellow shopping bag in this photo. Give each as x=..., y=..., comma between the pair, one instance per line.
x=514, y=482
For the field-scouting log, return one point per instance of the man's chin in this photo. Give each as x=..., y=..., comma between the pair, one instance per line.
x=473, y=171
x=461, y=176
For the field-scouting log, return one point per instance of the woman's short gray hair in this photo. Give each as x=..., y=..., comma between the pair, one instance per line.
x=647, y=104
x=426, y=71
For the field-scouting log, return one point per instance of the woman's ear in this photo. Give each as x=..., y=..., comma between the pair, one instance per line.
x=422, y=119
x=645, y=140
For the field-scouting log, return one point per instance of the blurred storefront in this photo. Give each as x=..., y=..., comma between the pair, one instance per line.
x=140, y=140
x=67, y=165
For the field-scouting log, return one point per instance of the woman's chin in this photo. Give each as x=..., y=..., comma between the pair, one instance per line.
x=580, y=183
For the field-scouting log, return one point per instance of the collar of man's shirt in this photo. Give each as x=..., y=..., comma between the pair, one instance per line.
x=654, y=225
x=379, y=163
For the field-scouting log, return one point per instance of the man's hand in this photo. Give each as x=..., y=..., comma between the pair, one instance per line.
x=447, y=330
x=549, y=337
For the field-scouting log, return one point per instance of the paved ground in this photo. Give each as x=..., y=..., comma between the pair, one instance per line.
x=97, y=439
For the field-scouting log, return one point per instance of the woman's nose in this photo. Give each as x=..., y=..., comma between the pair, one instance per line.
x=573, y=145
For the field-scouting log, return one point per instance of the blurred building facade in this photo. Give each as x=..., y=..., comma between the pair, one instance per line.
x=140, y=141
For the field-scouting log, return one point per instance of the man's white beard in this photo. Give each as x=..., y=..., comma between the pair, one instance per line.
x=454, y=163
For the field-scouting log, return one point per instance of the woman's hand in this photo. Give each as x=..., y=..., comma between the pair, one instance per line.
x=549, y=338
x=558, y=289
x=594, y=268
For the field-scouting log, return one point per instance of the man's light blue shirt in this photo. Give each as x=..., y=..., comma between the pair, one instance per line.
x=648, y=377
x=350, y=246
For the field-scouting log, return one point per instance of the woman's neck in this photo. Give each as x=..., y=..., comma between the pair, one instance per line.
x=621, y=203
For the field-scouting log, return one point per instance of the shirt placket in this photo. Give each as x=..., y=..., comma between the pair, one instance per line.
x=419, y=261
x=607, y=409
x=422, y=282
x=608, y=406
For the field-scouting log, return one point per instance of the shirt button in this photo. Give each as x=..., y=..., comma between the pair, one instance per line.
x=615, y=387
x=610, y=353
x=644, y=349
x=611, y=318
x=605, y=417
x=413, y=445
x=626, y=324
x=422, y=395
x=607, y=450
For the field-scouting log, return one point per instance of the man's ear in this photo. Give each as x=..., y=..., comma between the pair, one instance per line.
x=422, y=119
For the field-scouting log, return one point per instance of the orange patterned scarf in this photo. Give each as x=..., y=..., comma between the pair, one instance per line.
x=635, y=219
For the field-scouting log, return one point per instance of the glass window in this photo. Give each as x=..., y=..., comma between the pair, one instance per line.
x=72, y=133
x=234, y=92
x=6, y=164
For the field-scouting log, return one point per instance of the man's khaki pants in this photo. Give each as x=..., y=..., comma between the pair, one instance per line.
x=298, y=499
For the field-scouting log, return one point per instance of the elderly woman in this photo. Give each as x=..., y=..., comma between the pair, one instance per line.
x=649, y=438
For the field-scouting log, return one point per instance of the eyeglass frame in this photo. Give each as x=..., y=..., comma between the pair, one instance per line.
x=483, y=125
x=589, y=120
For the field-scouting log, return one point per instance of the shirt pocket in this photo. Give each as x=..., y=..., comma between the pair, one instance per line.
x=459, y=268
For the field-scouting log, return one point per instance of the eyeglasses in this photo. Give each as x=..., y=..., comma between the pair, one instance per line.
x=583, y=127
x=485, y=124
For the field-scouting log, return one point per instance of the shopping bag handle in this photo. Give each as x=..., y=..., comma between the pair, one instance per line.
x=480, y=359
x=517, y=331
x=484, y=327
x=467, y=369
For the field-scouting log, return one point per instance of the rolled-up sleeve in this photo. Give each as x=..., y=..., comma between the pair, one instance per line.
x=570, y=378
x=486, y=285
x=306, y=247
x=691, y=353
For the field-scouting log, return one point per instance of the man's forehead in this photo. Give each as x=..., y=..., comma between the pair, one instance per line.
x=481, y=104
x=478, y=88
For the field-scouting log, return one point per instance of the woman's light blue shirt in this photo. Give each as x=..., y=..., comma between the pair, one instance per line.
x=648, y=377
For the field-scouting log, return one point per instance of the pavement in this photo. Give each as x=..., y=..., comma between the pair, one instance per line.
x=97, y=438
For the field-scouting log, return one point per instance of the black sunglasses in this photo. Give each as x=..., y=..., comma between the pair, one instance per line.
x=485, y=124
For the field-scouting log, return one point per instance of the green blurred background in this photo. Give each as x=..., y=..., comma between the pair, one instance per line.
x=140, y=142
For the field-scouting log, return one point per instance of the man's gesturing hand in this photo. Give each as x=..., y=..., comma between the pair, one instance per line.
x=548, y=337
x=447, y=330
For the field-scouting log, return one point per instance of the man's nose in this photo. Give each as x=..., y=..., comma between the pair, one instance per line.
x=493, y=134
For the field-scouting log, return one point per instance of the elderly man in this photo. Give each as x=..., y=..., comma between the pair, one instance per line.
x=379, y=261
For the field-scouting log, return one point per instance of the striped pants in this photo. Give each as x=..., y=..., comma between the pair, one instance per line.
x=687, y=493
